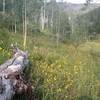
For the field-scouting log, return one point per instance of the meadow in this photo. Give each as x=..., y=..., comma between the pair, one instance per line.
x=63, y=72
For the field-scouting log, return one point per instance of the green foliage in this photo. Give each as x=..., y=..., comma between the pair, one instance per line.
x=67, y=72
x=64, y=72
x=56, y=19
x=4, y=55
x=4, y=38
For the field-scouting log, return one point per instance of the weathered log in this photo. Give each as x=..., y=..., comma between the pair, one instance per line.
x=11, y=81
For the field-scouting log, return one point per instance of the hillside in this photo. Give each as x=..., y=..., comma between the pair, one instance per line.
x=76, y=7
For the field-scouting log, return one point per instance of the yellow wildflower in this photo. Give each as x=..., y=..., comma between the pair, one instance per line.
x=0, y=49
x=59, y=90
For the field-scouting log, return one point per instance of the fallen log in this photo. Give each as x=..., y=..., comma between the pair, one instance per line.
x=11, y=81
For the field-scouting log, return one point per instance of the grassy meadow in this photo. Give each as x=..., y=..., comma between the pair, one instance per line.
x=58, y=73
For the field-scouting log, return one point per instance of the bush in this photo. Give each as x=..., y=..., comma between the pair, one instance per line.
x=4, y=38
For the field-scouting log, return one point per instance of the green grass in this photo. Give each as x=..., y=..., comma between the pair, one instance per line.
x=65, y=73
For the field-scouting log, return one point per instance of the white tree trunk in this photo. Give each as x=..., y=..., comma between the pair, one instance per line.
x=42, y=17
x=52, y=21
x=25, y=29
x=3, y=6
x=15, y=26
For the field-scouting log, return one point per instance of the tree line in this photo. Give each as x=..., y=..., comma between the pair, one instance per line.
x=32, y=16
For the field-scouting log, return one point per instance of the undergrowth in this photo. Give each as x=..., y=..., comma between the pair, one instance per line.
x=64, y=73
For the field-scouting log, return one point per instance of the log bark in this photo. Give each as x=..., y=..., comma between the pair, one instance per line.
x=11, y=81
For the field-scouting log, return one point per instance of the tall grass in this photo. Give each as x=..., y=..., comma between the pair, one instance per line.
x=64, y=73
